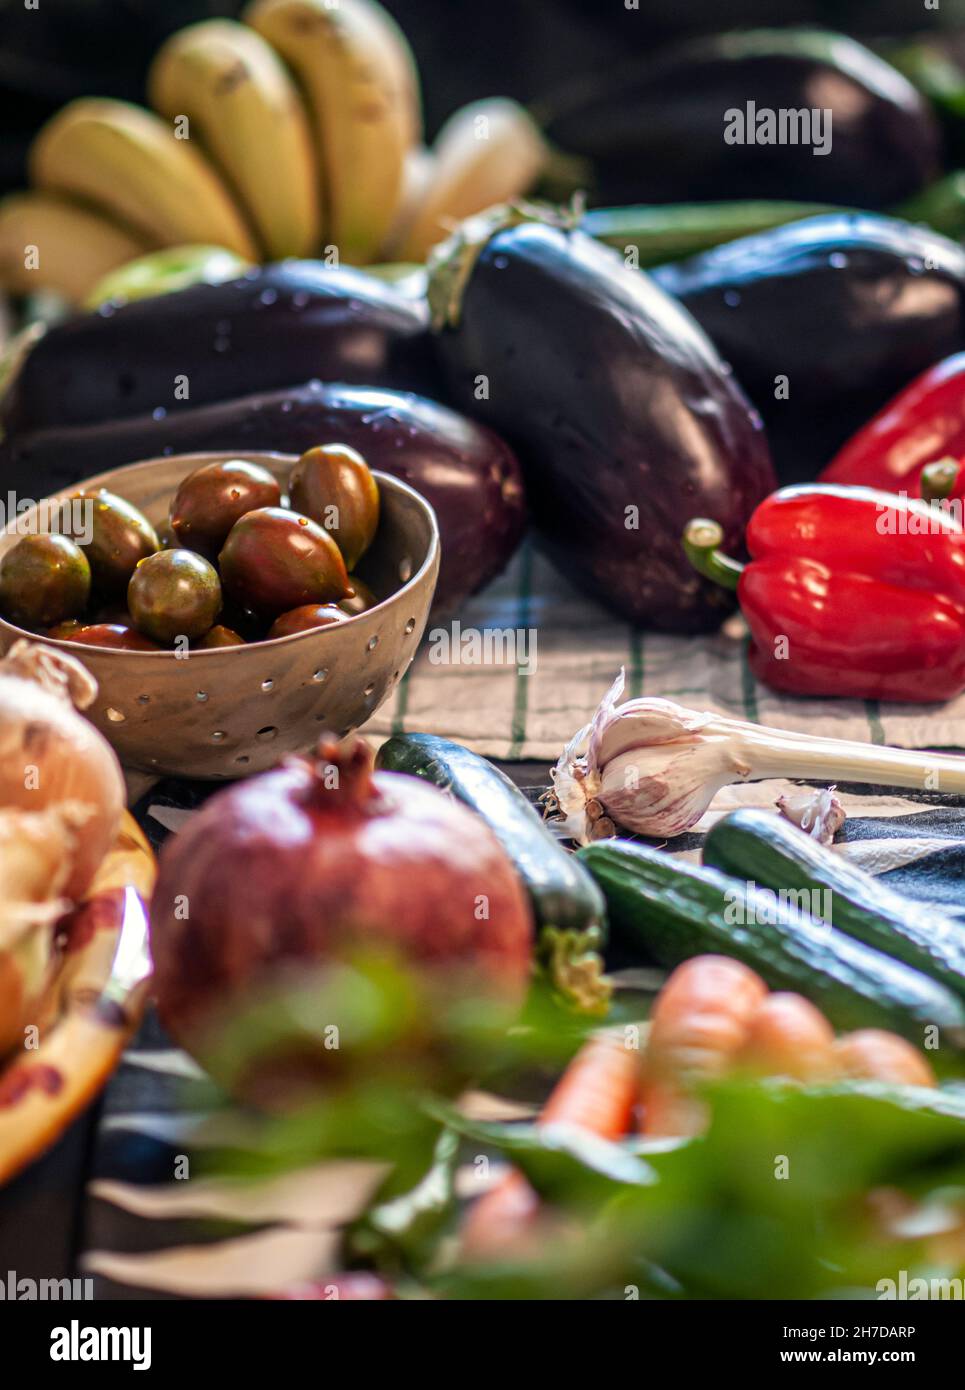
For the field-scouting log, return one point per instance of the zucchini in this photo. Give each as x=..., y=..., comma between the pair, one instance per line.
x=675, y=910
x=765, y=849
x=562, y=893
x=669, y=232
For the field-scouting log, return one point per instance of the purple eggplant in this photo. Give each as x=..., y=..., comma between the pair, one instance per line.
x=465, y=471
x=805, y=114
x=278, y=325
x=625, y=420
x=823, y=320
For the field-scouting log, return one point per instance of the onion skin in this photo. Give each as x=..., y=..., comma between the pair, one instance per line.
x=34, y=856
x=285, y=870
x=50, y=754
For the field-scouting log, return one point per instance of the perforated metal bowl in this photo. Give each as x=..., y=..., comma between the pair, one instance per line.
x=231, y=711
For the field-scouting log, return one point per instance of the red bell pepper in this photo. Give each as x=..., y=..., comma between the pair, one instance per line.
x=849, y=591
x=925, y=422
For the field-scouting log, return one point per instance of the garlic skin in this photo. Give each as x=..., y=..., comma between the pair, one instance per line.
x=665, y=788
x=655, y=766
x=816, y=811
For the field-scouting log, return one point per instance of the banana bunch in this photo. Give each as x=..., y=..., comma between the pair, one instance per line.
x=296, y=132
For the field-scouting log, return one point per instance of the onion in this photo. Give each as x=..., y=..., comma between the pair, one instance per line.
x=50, y=755
x=318, y=859
x=35, y=849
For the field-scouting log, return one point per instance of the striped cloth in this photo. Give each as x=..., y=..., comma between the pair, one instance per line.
x=569, y=649
x=149, y=1235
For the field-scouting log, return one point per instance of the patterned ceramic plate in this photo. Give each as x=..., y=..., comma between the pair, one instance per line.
x=97, y=1002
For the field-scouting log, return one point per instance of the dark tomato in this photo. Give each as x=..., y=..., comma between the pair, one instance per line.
x=334, y=486
x=275, y=560
x=361, y=600
x=309, y=615
x=116, y=635
x=44, y=579
x=119, y=538
x=219, y=636
x=173, y=594
x=211, y=499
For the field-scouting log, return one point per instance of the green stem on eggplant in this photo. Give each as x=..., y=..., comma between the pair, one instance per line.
x=938, y=479
x=702, y=539
x=451, y=262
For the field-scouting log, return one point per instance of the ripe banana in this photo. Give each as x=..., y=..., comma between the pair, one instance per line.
x=130, y=164
x=358, y=77
x=417, y=178
x=488, y=152
x=49, y=243
x=237, y=93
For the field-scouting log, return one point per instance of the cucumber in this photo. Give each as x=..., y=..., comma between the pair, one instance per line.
x=562, y=893
x=767, y=850
x=675, y=910
x=672, y=231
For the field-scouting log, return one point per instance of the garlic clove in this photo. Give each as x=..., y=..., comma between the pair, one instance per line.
x=817, y=811
x=647, y=721
x=664, y=789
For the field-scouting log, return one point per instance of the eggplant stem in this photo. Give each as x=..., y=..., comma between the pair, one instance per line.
x=938, y=479
x=702, y=540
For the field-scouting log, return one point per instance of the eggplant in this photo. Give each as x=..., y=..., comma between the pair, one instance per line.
x=847, y=308
x=465, y=471
x=658, y=130
x=625, y=420
x=278, y=325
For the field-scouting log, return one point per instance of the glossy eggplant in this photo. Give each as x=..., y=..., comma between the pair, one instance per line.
x=467, y=473
x=278, y=325
x=692, y=123
x=824, y=320
x=625, y=419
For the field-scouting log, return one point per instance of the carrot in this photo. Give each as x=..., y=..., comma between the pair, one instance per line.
x=699, y=1024
x=874, y=1055
x=788, y=1036
x=598, y=1090
x=597, y=1093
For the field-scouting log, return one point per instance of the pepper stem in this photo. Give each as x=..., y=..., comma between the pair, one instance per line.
x=938, y=479
x=701, y=541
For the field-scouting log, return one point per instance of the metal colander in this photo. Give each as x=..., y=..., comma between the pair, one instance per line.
x=232, y=711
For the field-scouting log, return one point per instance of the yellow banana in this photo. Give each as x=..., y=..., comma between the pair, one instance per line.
x=358, y=77
x=488, y=152
x=130, y=163
x=49, y=243
x=416, y=180
x=237, y=93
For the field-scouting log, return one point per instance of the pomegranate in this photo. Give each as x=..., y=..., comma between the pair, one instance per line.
x=319, y=859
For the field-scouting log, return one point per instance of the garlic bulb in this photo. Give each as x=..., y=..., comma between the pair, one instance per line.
x=655, y=766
